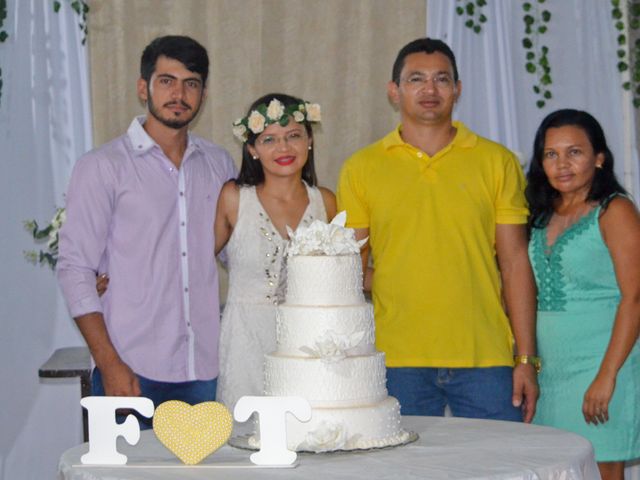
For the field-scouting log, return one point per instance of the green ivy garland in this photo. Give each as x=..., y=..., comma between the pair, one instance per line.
x=3, y=33
x=632, y=56
x=82, y=9
x=535, y=21
x=79, y=6
x=475, y=16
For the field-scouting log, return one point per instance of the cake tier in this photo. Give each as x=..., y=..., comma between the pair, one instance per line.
x=324, y=280
x=350, y=382
x=312, y=331
x=372, y=426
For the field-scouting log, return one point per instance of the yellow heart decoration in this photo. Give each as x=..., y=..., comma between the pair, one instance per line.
x=192, y=433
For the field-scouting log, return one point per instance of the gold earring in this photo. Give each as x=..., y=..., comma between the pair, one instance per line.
x=599, y=166
x=309, y=147
x=255, y=157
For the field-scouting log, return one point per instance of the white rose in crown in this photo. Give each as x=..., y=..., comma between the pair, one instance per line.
x=255, y=122
x=321, y=238
x=298, y=116
x=313, y=112
x=275, y=109
x=240, y=131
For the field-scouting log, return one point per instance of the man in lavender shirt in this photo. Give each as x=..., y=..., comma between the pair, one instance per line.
x=141, y=209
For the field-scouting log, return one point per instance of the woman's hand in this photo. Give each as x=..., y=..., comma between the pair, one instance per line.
x=102, y=282
x=595, y=407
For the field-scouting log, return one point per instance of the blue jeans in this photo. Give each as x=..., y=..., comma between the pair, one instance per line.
x=469, y=392
x=190, y=392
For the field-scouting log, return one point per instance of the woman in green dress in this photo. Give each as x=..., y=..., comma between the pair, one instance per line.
x=585, y=251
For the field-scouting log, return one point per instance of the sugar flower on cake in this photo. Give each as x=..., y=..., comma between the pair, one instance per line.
x=332, y=346
x=321, y=238
x=326, y=437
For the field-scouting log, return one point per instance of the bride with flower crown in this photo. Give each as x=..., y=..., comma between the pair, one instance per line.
x=276, y=189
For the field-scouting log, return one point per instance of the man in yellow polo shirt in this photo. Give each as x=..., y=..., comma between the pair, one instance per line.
x=445, y=214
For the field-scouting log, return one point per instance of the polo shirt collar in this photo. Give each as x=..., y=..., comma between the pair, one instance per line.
x=141, y=140
x=464, y=138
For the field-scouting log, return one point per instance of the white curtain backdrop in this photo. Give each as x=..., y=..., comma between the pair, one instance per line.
x=497, y=98
x=45, y=124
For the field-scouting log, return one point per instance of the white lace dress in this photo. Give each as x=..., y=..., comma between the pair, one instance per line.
x=256, y=267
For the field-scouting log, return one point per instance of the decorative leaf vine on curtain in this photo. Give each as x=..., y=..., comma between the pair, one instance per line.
x=79, y=6
x=628, y=53
x=537, y=63
x=82, y=9
x=473, y=11
x=3, y=33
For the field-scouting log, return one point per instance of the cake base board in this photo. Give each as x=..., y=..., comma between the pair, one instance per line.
x=242, y=442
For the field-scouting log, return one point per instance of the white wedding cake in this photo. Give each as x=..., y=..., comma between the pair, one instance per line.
x=325, y=348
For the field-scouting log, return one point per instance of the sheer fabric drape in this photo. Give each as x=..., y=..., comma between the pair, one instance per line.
x=45, y=125
x=497, y=98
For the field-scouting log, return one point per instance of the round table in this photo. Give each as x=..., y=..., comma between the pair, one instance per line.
x=451, y=448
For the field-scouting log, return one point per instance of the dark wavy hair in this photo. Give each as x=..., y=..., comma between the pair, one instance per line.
x=539, y=192
x=251, y=172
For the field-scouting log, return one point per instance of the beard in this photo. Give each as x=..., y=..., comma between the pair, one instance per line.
x=175, y=123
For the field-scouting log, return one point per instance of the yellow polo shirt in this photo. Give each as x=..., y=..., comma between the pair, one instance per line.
x=432, y=222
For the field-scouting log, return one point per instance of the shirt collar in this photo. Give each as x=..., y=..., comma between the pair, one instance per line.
x=464, y=138
x=141, y=140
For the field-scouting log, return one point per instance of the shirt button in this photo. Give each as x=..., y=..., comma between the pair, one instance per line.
x=184, y=254
x=419, y=154
x=186, y=289
x=171, y=169
x=182, y=224
x=182, y=194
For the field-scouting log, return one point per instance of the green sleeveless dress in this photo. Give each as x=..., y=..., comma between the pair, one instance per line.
x=577, y=300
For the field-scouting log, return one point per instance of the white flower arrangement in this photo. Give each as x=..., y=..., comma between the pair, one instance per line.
x=275, y=112
x=321, y=238
x=49, y=256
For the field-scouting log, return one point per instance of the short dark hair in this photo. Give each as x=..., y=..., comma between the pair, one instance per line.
x=425, y=45
x=539, y=192
x=184, y=49
x=251, y=172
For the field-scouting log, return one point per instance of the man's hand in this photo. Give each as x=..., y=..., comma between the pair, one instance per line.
x=525, y=390
x=119, y=380
x=102, y=282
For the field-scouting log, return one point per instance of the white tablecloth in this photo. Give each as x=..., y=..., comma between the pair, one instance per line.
x=451, y=448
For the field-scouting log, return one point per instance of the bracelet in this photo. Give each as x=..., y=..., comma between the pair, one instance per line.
x=529, y=359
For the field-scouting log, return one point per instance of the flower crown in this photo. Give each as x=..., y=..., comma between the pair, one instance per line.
x=275, y=112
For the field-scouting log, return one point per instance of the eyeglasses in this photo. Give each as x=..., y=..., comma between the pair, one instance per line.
x=418, y=80
x=291, y=138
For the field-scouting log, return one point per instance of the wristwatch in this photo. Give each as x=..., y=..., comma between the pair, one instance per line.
x=532, y=359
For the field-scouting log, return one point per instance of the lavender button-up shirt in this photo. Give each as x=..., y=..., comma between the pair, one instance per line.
x=149, y=226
